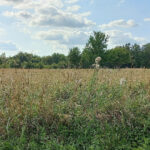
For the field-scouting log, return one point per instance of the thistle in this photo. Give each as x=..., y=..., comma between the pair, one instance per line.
x=97, y=61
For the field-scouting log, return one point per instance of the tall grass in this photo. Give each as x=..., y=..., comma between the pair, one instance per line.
x=75, y=109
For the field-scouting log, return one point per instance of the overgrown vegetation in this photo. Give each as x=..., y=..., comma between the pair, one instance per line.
x=131, y=56
x=74, y=109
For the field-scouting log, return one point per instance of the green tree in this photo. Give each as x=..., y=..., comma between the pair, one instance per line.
x=20, y=59
x=56, y=58
x=146, y=55
x=86, y=59
x=47, y=60
x=14, y=63
x=118, y=57
x=3, y=61
x=27, y=65
x=3, y=58
x=136, y=56
x=36, y=59
x=74, y=57
x=96, y=46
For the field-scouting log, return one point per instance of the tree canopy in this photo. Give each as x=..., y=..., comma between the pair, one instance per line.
x=127, y=55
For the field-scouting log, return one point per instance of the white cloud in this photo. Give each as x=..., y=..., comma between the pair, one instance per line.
x=55, y=23
x=49, y=15
x=20, y=14
x=64, y=36
x=117, y=37
x=7, y=46
x=71, y=1
x=32, y=4
x=147, y=19
x=59, y=18
x=62, y=40
x=73, y=8
x=10, y=2
x=119, y=23
x=59, y=23
x=85, y=14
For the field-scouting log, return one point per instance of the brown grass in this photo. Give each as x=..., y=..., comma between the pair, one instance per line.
x=31, y=96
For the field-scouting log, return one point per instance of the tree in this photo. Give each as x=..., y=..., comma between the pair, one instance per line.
x=136, y=56
x=86, y=59
x=95, y=47
x=47, y=60
x=56, y=58
x=3, y=58
x=14, y=63
x=146, y=55
x=27, y=65
x=20, y=59
x=74, y=57
x=118, y=57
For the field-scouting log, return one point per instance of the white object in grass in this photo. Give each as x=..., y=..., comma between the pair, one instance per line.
x=122, y=81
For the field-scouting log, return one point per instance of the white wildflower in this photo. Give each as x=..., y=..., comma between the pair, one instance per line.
x=122, y=81
x=97, y=60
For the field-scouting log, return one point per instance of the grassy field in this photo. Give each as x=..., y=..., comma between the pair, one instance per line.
x=75, y=109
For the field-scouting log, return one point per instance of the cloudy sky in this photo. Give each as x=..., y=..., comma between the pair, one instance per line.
x=43, y=27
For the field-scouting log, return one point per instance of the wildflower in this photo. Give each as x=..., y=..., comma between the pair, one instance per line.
x=97, y=60
x=122, y=81
x=96, y=65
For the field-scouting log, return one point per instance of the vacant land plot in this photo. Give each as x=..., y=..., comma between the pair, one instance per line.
x=75, y=109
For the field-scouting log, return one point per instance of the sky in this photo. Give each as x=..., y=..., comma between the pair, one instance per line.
x=44, y=27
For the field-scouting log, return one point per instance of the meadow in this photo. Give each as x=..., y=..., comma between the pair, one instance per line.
x=75, y=109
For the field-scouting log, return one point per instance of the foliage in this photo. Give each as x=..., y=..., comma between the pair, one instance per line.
x=95, y=47
x=131, y=56
x=146, y=55
x=74, y=57
x=118, y=57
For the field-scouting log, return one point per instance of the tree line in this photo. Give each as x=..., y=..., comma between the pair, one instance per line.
x=128, y=55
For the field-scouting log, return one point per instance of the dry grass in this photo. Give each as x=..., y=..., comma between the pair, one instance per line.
x=33, y=98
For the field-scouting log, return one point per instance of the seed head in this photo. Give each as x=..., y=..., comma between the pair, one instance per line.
x=97, y=60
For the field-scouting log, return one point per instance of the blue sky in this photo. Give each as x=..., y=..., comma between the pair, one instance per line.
x=43, y=27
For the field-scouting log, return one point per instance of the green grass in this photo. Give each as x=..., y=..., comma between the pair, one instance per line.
x=52, y=111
